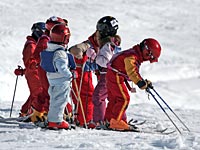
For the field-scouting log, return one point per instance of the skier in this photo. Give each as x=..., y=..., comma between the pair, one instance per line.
x=84, y=54
x=125, y=66
x=109, y=43
x=31, y=71
x=41, y=107
x=59, y=78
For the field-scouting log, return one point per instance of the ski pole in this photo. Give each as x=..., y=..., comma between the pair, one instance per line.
x=80, y=101
x=19, y=67
x=148, y=90
x=171, y=109
x=80, y=85
x=76, y=110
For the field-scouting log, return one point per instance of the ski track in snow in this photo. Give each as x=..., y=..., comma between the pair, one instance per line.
x=176, y=77
x=11, y=135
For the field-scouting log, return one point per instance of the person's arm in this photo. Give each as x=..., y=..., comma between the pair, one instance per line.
x=78, y=49
x=104, y=55
x=61, y=63
x=132, y=69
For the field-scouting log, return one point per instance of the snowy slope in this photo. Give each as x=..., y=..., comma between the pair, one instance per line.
x=176, y=77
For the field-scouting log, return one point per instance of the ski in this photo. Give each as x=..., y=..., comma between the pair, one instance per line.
x=18, y=122
x=20, y=119
x=164, y=131
x=136, y=123
x=28, y=125
x=147, y=131
x=13, y=122
x=8, y=122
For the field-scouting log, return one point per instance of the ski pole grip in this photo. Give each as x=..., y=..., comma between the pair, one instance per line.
x=19, y=67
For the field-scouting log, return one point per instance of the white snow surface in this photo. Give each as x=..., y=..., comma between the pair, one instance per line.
x=176, y=77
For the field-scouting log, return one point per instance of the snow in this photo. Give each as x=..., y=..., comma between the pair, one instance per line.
x=176, y=76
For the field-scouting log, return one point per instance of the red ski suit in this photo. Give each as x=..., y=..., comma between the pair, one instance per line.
x=86, y=92
x=84, y=81
x=127, y=63
x=42, y=105
x=31, y=75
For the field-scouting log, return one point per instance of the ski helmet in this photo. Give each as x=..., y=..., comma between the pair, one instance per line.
x=60, y=33
x=107, y=26
x=54, y=20
x=38, y=29
x=153, y=47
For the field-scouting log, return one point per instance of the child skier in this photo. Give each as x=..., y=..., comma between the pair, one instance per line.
x=84, y=54
x=31, y=71
x=125, y=66
x=41, y=106
x=59, y=75
x=107, y=28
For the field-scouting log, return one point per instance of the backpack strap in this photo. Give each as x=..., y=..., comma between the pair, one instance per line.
x=71, y=64
x=71, y=61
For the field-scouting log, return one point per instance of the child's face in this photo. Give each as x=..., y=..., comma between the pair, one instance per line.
x=148, y=55
x=116, y=40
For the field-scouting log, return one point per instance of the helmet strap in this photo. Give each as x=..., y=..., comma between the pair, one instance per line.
x=35, y=36
x=142, y=46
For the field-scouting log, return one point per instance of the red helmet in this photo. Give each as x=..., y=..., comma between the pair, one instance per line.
x=153, y=47
x=60, y=33
x=54, y=20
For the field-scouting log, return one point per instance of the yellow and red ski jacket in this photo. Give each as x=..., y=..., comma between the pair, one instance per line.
x=127, y=63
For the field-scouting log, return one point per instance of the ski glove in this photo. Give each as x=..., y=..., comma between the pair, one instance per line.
x=91, y=54
x=144, y=84
x=149, y=84
x=74, y=74
x=19, y=71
